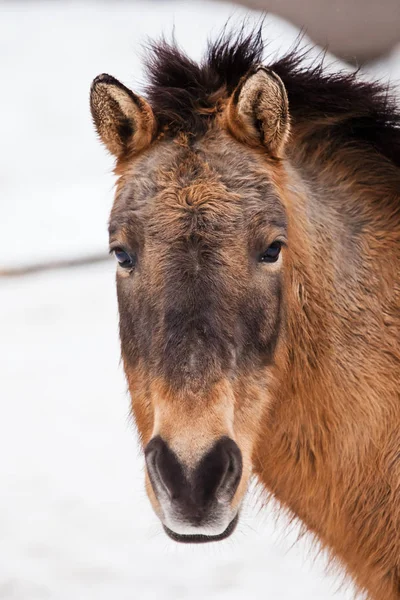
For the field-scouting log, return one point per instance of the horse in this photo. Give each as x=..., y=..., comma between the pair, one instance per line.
x=256, y=229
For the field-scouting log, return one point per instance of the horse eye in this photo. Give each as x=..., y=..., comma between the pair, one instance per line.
x=271, y=254
x=124, y=259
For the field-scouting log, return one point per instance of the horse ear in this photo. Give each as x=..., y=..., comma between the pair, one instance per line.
x=258, y=111
x=124, y=121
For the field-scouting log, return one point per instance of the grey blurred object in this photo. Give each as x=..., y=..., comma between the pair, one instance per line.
x=355, y=30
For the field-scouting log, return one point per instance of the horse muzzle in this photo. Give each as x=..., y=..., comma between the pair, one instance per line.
x=195, y=503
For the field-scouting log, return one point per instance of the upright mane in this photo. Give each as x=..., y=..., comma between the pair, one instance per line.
x=186, y=95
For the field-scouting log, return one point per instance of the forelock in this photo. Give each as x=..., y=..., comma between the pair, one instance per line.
x=186, y=95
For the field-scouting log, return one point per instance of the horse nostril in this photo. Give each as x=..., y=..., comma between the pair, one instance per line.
x=231, y=479
x=219, y=473
x=165, y=472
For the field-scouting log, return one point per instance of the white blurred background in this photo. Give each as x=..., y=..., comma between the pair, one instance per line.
x=74, y=519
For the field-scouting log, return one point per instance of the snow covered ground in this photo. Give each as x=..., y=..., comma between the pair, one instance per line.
x=74, y=519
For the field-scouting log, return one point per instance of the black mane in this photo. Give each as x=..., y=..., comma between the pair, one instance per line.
x=185, y=94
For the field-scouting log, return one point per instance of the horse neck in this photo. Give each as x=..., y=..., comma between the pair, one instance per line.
x=344, y=235
x=343, y=300
x=331, y=434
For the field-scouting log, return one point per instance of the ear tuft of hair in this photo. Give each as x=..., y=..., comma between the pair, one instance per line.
x=124, y=121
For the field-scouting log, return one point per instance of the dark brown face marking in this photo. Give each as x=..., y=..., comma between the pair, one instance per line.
x=199, y=305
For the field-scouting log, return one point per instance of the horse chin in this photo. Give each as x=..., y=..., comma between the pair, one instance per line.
x=202, y=538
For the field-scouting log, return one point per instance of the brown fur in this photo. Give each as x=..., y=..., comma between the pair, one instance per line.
x=297, y=361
